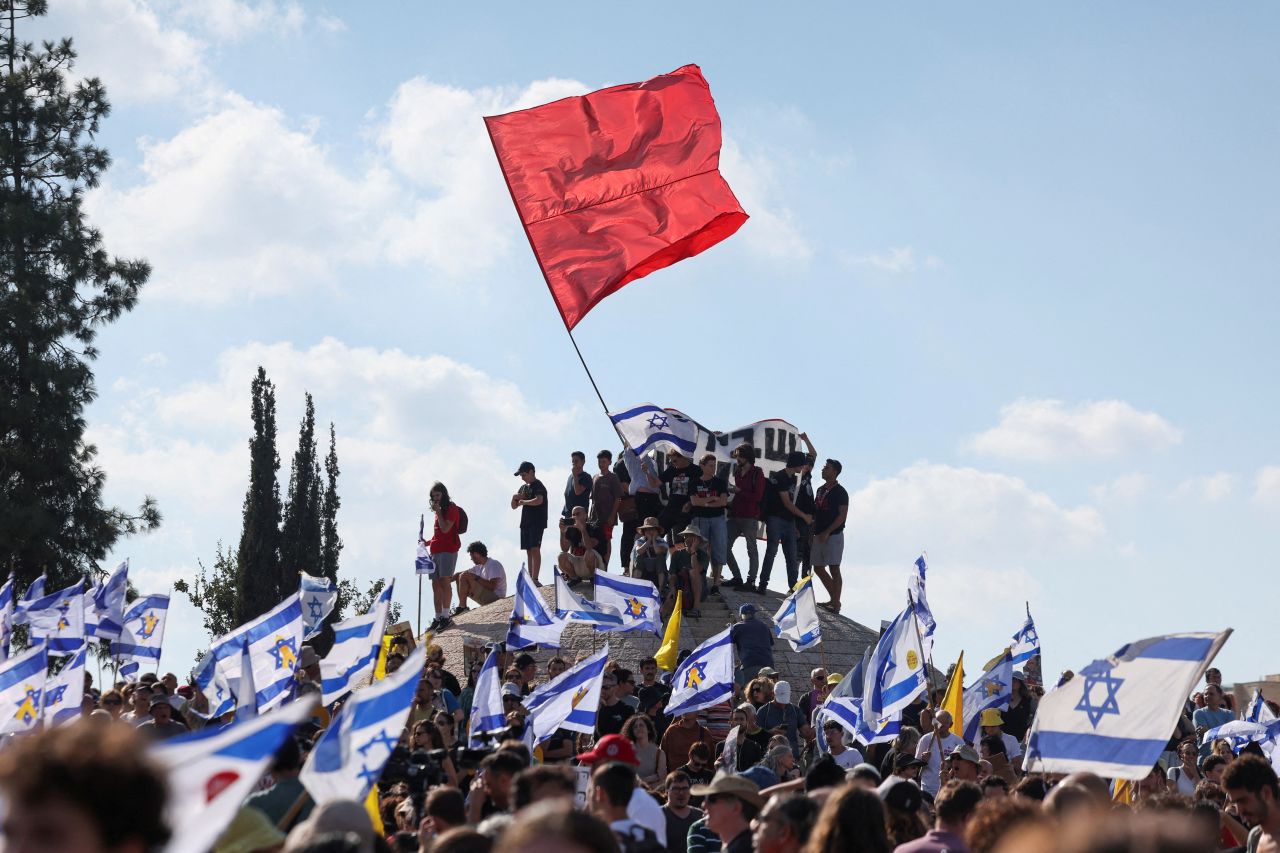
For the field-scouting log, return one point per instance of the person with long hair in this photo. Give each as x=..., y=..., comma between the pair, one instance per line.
x=851, y=821
x=652, y=768
x=902, y=802
x=444, y=545
x=759, y=692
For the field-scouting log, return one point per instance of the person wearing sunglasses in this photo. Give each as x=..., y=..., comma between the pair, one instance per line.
x=113, y=703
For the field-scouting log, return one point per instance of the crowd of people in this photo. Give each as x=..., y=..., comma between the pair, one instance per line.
x=750, y=774
x=677, y=523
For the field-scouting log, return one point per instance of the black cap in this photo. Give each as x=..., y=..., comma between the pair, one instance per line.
x=903, y=796
x=524, y=466
x=903, y=760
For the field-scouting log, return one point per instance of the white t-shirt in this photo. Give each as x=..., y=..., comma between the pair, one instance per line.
x=848, y=759
x=490, y=570
x=937, y=751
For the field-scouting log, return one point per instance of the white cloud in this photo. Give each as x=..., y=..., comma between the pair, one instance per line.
x=1209, y=488
x=1267, y=485
x=1124, y=489
x=897, y=260
x=1048, y=430
x=771, y=232
x=232, y=20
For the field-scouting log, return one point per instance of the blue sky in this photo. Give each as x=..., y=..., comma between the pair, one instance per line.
x=1014, y=267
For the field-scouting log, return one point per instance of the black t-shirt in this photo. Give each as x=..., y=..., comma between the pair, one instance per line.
x=575, y=538
x=779, y=482
x=678, y=827
x=716, y=487
x=828, y=502
x=571, y=500
x=533, y=517
x=804, y=494
x=610, y=718
x=679, y=481
x=680, y=561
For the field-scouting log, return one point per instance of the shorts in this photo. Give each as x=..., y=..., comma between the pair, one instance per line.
x=716, y=532
x=828, y=553
x=531, y=537
x=579, y=564
x=446, y=562
x=483, y=595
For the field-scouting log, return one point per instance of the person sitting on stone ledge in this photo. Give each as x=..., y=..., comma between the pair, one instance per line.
x=579, y=540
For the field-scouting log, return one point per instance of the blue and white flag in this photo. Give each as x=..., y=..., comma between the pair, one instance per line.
x=844, y=705
x=319, y=596
x=896, y=672
x=992, y=690
x=34, y=591
x=571, y=700
x=356, y=643
x=22, y=679
x=916, y=589
x=274, y=639
x=797, y=619
x=349, y=757
x=245, y=691
x=142, y=634
x=1026, y=643
x=57, y=619
x=104, y=607
x=531, y=623
x=423, y=564
x=705, y=678
x=647, y=427
x=572, y=607
x=1258, y=711
x=487, y=715
x=64, y=692
x=1114, y=717
x=6, y=616
x=210, y=772
x=636, y=599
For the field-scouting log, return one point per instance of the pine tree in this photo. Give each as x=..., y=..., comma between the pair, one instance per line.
x=58, y=286
x=300, y=533
x=258, y=558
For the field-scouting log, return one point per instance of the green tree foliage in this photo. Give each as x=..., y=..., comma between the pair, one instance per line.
x=258, y=557
x=361, y=601
x=214, y=592
x=58, y=287
x=300, y=531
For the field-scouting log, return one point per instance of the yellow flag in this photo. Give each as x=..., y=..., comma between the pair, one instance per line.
x=954, y=700
x=666, y=655
x=380, y=668
x=1124, y=792
x=375, y=815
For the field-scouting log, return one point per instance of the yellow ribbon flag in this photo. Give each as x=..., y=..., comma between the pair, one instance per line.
x=670, y=648
x=1124, y=791
x=953, y=701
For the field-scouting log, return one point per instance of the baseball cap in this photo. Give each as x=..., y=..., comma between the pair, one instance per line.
x=903, y=796
x=524, y=466
x=611, y=748
x=835, y=678
x=160, y=699
x=782, y=692
x=510, y=689
x=766, y=672
x=964, y=752
x=746, y=608
x=902, y=761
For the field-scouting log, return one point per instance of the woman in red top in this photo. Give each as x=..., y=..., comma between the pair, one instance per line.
x=444, y=546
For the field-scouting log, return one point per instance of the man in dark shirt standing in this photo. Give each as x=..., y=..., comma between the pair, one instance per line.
x=679, y=813
x=678, y=475
x=831, y=511
x=744, y=512
x=606, y=491
x=613, y=711
x=753, y=641
x=781, y=514
x=708, y=498
x=577, y=490
x=531, y=498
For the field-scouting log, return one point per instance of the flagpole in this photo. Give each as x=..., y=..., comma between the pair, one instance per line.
x=928, y=658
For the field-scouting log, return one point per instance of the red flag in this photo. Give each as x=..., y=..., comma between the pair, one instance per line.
x=616, y=184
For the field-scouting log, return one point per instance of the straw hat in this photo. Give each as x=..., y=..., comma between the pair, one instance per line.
x=651, y=523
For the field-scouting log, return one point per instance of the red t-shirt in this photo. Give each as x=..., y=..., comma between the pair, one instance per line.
x=445, y=543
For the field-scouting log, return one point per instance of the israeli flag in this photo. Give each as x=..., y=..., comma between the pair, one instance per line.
x=210, y=772
x=1026, y=643
x=104, y=609
x=647, y=427
x=1258, y=711
x=350, y=755
x=246, y=694
x=423, y=564
x=1114, y=717
x=356, y=643
x=64, y=692
x=274, y=639
x=992, y=691
x=635, y=599
x=141, y=634
x=1239, y=732
x=531, y=624
x=571, y=701
x=844, y=705
x=34, y=591
x=22, y=681
x=797, y=619
x=319, y=596
x=916, y=589
x=6, y=616
x=487, y=715
x=57, y=619
x=705, y=678
x=574, y=608
x=896, y=671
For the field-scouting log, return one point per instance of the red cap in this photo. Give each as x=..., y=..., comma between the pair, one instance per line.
x=611, y=748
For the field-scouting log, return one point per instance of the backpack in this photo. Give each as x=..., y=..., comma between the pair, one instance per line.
x=638, y=839
x=462, y=520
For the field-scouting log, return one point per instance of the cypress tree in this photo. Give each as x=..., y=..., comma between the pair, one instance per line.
x=58, y=286
x=300, y=534
x=258, y=558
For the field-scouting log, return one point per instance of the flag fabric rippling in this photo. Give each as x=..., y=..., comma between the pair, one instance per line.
x=916, y=588
x=1026, y=643
x=57, y=619
x=636, y=599
x=992, y=691
x=531, y=623
x=319, y=596
x=6, y=616
x=64, y=692
x=797, y=619
x=647, y=427
x=22, y=681
x=142, y=634
x=487, y=715
x=273, y=641
x=572, y=607
x=705, y=678
x=571, y=700
x=896, y=672
x=356, y=644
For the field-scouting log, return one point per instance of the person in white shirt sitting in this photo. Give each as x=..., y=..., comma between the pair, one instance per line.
x=484, y=583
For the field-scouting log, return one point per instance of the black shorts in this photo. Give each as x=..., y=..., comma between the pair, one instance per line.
x=531, y=537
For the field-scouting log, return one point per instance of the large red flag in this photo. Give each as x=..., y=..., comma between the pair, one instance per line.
x=616, y=184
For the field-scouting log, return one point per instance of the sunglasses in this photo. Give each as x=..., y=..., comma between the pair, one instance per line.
x=110, y=701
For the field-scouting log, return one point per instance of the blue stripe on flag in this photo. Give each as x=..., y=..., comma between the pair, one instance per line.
x=1090, y=747
x=359, y=632
x=1175, y=648
x=131, y=650
x=682, y=443
x=631, y=413
x=713, y=694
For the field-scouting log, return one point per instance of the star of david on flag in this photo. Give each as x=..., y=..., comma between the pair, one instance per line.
x=647, y=427
x=992, y=691
x=319, y=597
x=636, y=599
x=64, y=692
x=58, y=618
x=22, y=680
x=142, y=633
x=569, y=701
x=273, y=639
x=1114, y=717
x=705, y=678
x=896, y=670
x=1026, y=643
